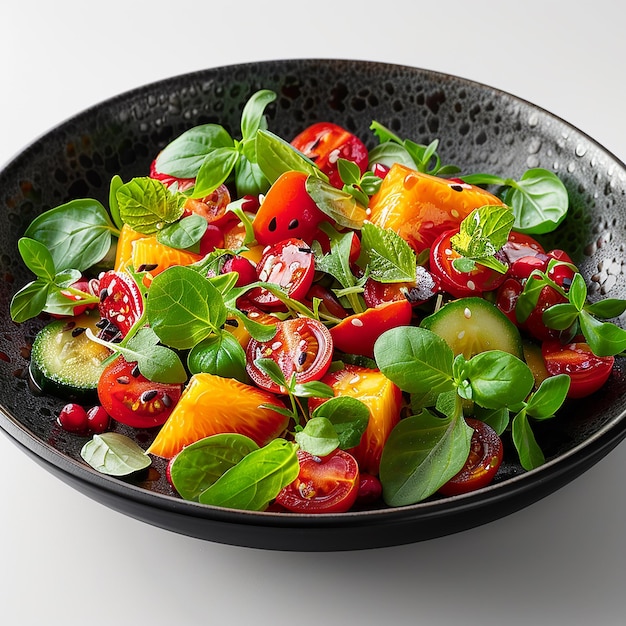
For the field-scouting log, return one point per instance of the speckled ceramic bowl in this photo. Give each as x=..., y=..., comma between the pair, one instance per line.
x=480, y=129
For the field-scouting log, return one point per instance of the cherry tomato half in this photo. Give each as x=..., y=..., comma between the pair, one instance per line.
x=290, y=265
x=121, y=303
x=587, y=371
x=212, y=207
x=327, y=484
x=357, y=334
x=325, y=143
x=132, y=399
x=425, y=286
x=460, y=284
x=287, y=211
x=301, y=346
x=520, y=245
x=485, y=457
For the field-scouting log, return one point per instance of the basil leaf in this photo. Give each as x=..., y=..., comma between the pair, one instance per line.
x=610, y=307
x=389, y=152
x=37, y=258
x=604, y=338
x=215, y=170
x=577, y=293
x=256, y=480
x=183, y=234
x=498, y=419
x=115, y=184
x=529, y=452
x=114, y=454
x=275, y=157
x=389, y=258
x=483, y=232
x=415, y=359
x=339, y=205
x=496, y=379
x=219, y=354
x=249, y=178
x=547, y=400
x=349, y=417
x=318, y=437
x=539, y=201
x=184, y=156
x=77, y=234
x=29, y=301
x=422, y=453
x=560, y=316
x=146, y=205
x=183, y=307
x=252, y=118
x=197, y=466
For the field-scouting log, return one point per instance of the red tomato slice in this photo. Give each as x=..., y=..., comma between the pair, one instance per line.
x=287, y=211
x=460, y=284
x=121, y=303
x=520, y=245
x=485, y=457
x=357, y=334
x=423, y=289
x=587, y=371
x=327, y=484
x=325, y=143
x=132, y=399
x=301, y=346
x=289, y=264
x=212, y=207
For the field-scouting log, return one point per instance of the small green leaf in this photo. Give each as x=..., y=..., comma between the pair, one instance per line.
x=183, y=307
x=577, y=293
x=528, y=449
x=256, y=480
x=215, y=170
x=183, y=234
x=184, y=156
x=252, y=116
x=388, y=257
x=146, y=205
x=497, y=379
x=539, y=201
x=219, y=354
x=201, y=463
x=604, y=338
x=605, y=309
x=547, y=400
x=275, y=156
x=560, y=316
x=29, y=301
x=114, y=454
x=318, y=437
x=415, y=359
x=349, y=417
x=77, y=234
x=422, y=453
x=37, y=258
x=339, y=205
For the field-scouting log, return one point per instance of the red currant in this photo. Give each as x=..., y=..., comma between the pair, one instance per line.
x=73, y=418
x=98, y=419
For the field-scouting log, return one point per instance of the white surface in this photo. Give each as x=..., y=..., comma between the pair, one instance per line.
x=65, y=559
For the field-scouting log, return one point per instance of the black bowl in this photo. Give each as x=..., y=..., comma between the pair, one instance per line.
x=480, y=129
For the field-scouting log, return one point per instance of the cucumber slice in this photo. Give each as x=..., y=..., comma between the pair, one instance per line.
x=473, y=325
x=65, y=362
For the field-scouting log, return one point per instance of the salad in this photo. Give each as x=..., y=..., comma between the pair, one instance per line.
x=307, y=324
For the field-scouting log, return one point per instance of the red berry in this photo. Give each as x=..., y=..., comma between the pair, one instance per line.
x=73, y=418
x=241, y=265
x=98, y=419
x=370, y=489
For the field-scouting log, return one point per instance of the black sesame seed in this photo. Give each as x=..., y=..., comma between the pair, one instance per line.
x=272, y=225
x=293, y=224
x=135, y=371
x=301, y=358
x=79, y=330
x=456, y=187
x=146, y=396
x=104, y=293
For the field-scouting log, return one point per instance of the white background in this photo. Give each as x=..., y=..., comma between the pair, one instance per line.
x=65, y=559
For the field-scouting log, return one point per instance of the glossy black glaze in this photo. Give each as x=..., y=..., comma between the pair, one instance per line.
x=480, y=129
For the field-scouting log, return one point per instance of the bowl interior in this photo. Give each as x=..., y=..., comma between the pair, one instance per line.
x=480, y=129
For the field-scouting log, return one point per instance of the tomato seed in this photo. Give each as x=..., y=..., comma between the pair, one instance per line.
x=146, y=396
